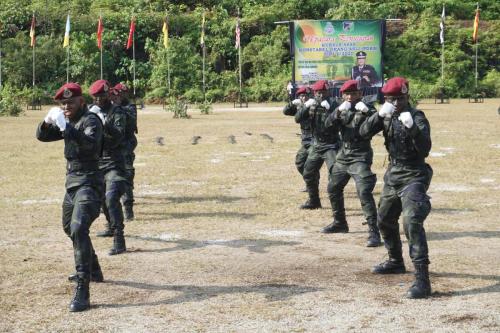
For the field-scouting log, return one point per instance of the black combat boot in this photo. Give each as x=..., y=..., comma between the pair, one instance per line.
x=422, y=286
x=391, y=266
x=313, y=202
x=336, y=227
x=118, y=243
x=128, y=212
x=373, y=236
x=95, y=274
x=81, y=299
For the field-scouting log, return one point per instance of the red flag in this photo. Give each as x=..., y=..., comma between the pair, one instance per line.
x=100, y=29
x=130, y=40
x=32, y=32
x=476, y=25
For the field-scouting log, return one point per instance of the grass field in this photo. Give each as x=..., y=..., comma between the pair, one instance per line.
x=220, y=245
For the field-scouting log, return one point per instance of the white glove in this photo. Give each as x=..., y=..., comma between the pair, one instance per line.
x=52, y=115
x=97, y=110
x=325, y=104
x=386, y=110
x=406, y=119
x=360, y=106
x=345, y=106
x=310, y=103
x=61, y=121
x=296, y=101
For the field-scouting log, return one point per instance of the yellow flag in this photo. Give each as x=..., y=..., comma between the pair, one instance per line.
x=66, y=33
x=165, y=33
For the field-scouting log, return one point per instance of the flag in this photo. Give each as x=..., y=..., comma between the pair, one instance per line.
x=32, y=32
x=441, y=25
x=130, y=40
x=202, y=39
x=237, y=44
x=66, y=33
x=165, y=33
x=100, y=29
x=476, y=25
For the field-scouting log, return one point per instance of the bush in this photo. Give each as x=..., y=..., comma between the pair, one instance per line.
x=205, y=107
x=10, y=104
x=178, y=107
x=491, y=84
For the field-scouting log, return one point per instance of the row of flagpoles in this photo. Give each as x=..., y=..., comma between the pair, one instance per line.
x=131, y=44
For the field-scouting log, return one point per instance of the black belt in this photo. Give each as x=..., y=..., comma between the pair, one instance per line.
x=72, y=166
x=354, y=145
x=394, y=161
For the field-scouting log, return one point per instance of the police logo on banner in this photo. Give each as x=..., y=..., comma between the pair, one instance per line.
x=348, y=26
x=329, y=29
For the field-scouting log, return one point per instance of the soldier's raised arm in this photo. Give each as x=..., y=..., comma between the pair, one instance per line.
x=420, y=132
x=91, y=138
x=47, y=130
x=114, y=127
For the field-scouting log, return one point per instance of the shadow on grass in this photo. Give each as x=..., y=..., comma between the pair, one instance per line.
x=494, y=288
x=149, y=199
x=163, y=215
x=191, y=293
x=460, y=234
x=253, y=245
x=451, y=211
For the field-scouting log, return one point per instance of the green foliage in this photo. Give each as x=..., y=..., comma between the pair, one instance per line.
x=205, y=107
x=10, y=104
x=178, y=106
x=491, y=83
x=412, y=50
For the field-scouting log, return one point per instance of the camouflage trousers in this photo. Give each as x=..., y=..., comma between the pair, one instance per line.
x=80, y=208
x=315, y=159
x=128, y=196
x=114, y=188
x=365, y=181
x=412, y=201
x=301, y=157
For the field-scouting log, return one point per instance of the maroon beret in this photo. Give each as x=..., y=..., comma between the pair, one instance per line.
x=396, y=86
x=120, y=88
x=320, y=85
x=68, y=90
x=303, y=90
x=351, y=85
x=99, y=87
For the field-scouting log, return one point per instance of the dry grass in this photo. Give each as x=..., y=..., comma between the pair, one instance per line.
x=219, y=244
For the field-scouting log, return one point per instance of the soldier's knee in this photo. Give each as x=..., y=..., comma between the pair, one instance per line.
x=78, y=230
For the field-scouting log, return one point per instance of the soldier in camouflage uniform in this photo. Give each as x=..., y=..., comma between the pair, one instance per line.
x=353, y=160
x=325, y=140
x=82, y=133
x=119, y=96
x=408, y=140
x=112, y=162
x=305, y=127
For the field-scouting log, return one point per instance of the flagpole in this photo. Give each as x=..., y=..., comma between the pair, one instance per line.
x=477, y=38
x=100, y=20
x=442, y=54
x=34, y=44
x=133, y=57
x=67, y=66
x=168, y=59
x=204, y=55
x=239, y=58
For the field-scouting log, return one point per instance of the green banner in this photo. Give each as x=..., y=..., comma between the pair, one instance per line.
x=338, y=51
